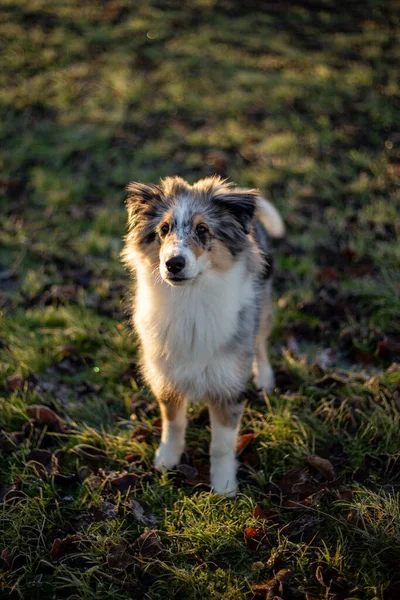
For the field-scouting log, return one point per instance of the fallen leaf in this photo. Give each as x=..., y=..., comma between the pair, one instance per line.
x=256, y=538
x=44, y=416
x=105, y=510
x=297, y=484
x=157, y=423
x=10, y=494
x=133, y=457
x=243, y=441
x=148, y=544
x=63, y=547
x=296, y=528
x=186, y=471
x=6, y=560
x=271, y=516
x=322, y=465
x=119, y=557
x=124, y=482
x=274, y=588
x=141, y=513
x=44, y=458
x=95, y=481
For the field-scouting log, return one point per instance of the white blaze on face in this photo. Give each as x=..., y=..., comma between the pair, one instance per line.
x=178, y=244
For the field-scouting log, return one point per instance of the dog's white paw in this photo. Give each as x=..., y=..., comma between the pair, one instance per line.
x=167, y=456
x=264, y=377
x=223, y=477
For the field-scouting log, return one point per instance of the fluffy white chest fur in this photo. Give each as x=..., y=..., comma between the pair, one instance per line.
x=186, y=330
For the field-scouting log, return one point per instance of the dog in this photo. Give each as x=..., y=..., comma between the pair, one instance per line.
x=202, y=306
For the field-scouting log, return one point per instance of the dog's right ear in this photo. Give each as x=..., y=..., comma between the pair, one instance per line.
x=140, y=195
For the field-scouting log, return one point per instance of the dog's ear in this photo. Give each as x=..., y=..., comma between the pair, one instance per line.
x=241, y=204
x=140, y=195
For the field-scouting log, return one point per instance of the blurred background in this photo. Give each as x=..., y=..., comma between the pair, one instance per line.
x=299, y=98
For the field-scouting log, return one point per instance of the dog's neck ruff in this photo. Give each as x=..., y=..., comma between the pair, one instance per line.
x=195, y=320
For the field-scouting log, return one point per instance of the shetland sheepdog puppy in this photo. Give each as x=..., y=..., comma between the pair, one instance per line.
x=202, y=305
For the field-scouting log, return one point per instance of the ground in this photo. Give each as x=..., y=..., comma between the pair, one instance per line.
x=299, y=99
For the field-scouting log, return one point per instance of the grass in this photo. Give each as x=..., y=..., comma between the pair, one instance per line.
x=300, y=100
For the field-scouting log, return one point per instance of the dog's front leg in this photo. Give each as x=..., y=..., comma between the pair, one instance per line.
x=225, y=421
x=173, y=413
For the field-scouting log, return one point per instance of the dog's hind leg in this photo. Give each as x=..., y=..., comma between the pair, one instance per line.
x=225, y=421
x=262, y=370
x=173, y=413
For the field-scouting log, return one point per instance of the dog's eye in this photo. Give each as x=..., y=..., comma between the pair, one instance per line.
x=201, y=229
x=164, y=228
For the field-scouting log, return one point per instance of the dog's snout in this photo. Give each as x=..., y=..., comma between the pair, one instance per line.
x=175, y=264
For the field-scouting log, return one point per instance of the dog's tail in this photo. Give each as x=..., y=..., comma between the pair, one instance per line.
x=270, y=218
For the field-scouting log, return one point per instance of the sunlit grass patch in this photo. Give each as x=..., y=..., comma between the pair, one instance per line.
x=301, y=103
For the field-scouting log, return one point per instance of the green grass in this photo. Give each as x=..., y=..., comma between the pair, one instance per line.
x=300, y=100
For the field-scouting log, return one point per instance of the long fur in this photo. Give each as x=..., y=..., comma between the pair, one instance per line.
x=201, y=327
x=270, y=218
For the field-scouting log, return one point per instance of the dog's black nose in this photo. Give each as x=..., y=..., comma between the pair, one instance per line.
x=175, y=264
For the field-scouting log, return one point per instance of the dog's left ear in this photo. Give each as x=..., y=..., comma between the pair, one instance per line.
x=139, y=195
x=241, y=204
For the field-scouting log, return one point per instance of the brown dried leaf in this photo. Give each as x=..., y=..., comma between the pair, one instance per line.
x=133, y=457
x=95, y=482
x=124, y=482
x=6, y=559
x=44, y=458
x=296, y=484
x=148, y=544
x=319, y=572
x=276, y=587
x=44, y=416
x=187, y=472
x=119, y=557
x=322, y=465
x=243, y=441
x=157, y=423
x=256, y=538
x=271, y=516
x=63, y=547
